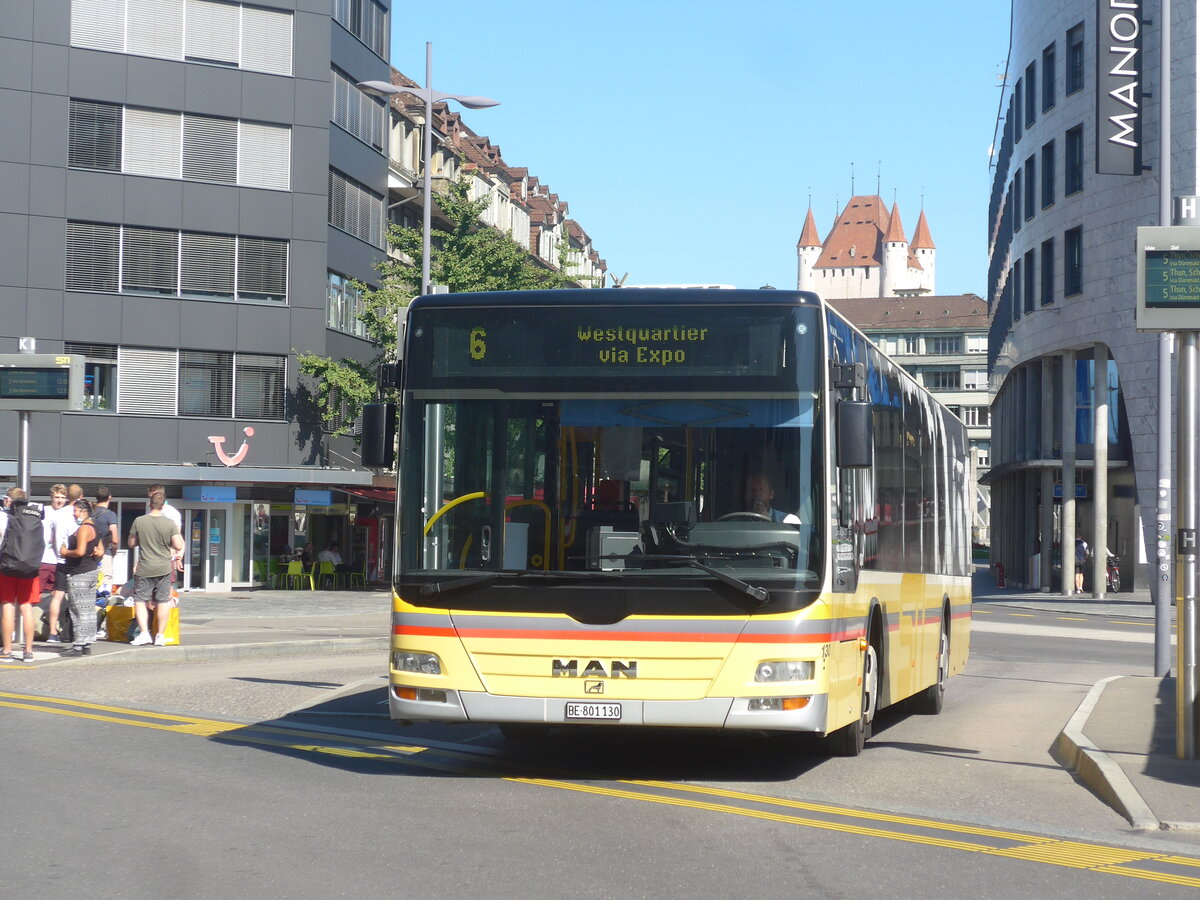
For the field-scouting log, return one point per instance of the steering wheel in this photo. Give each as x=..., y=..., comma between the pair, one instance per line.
x=743, y=517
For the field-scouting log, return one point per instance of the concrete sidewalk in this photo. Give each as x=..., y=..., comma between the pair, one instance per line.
x=1120, y=742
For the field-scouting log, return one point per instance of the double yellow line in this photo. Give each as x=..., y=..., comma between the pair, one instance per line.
x=1159, y=867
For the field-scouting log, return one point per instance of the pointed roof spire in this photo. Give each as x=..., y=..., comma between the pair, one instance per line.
x=922, y=239
x=895, y=229
x=809, y=236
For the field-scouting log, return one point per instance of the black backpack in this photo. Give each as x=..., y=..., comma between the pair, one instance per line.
x=24, y=540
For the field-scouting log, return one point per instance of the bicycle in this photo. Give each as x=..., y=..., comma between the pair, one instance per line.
x=1112, y=575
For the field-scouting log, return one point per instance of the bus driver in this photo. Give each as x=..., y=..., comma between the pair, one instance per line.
x=757, y=497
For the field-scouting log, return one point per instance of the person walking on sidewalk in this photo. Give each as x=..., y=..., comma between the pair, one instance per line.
x=158, y=541
x=1082, y=552
x=21, y=552
x=81, y=552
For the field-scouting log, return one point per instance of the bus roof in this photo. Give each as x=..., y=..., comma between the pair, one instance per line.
x=617, y=297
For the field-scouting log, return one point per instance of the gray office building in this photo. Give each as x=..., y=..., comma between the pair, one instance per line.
x=185, y=188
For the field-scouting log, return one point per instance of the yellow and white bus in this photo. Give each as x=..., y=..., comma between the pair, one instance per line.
x=716, y=509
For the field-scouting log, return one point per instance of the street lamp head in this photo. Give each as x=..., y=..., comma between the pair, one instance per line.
x=386, y=88
x=473, y=102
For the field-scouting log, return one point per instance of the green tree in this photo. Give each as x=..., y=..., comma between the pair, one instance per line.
x=466, y=256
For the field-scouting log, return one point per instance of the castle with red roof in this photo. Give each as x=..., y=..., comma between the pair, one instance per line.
x=866, y=254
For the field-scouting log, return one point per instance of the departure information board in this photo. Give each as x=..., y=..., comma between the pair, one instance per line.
x=1168, y=278
x=1172, y=279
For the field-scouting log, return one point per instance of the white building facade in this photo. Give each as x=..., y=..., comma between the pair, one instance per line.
x=1074, y=384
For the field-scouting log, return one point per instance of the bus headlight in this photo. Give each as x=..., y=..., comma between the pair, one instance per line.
x=788, y=670
x=424, y=663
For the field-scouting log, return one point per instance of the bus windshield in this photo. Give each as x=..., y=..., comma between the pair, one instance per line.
x=529, y=448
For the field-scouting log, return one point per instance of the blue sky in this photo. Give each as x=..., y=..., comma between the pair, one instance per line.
x=688, y=136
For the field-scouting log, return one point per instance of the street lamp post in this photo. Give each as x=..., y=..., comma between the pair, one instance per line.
x=429, y=95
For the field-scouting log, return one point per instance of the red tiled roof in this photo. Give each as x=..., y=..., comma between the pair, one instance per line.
x=922, y=239
x=895, y=229
x=809, y=236
x=961, y=311
x=856, y=236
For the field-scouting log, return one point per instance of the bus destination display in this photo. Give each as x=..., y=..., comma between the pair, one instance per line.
x=642, y=342
x=35, y=383
x=1172, y=279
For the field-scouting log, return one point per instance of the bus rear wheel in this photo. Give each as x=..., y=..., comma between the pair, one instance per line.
x=849, y=740
x=929, y=701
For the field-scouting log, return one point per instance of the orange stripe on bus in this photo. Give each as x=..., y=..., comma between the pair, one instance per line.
x=662, y=636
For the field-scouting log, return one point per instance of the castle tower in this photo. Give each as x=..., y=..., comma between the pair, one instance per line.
x=808, y=249
x=926, y=253
x=895, y=275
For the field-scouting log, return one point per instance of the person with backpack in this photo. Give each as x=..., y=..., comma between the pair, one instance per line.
x=21, y=552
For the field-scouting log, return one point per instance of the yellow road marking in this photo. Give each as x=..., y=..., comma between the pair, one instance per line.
x=1028, y=847
x=1072, y=618
x=1024, y=615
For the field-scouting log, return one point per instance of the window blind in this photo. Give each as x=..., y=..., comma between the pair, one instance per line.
x=149, y=381
x=266, y=40
x=92, y=258
x=264, y=155
x=262, y=269
x=212, y=32
x=206, y=265
x=154, y=28
x=98, y=24
x=210, y=148
x=150, y=261
x=152, y=142
x=259, y=386
x=205, y=383
x=94, y=135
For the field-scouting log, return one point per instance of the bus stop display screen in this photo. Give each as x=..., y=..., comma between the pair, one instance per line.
x=637, y=341
x=1172, y=279
x=33, y=383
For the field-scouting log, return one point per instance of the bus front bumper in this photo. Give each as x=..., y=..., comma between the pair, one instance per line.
x=712, y=712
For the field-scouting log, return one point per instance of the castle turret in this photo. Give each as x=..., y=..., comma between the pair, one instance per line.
x=808, y=250
x=895, y=256
x=926, y=253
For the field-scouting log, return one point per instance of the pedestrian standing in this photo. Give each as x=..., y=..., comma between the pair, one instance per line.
x=21, y=552
x=175, y=516
x=159, y=542
x=82, y=552
x=57, y=525
x=106, y=528
x=1082, y=552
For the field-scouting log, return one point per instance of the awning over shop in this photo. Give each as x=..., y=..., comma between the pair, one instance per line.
x=379, y=495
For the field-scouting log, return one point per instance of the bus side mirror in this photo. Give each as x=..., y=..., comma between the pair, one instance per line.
x=855, y=434
x=377, y=445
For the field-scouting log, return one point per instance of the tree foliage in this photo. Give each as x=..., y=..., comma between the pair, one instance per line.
x=466, y=256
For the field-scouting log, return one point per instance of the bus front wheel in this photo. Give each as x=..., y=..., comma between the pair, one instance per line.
x=849, y=740
x=929, y=701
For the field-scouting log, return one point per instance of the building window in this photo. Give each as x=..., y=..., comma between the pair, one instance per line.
x=345, y=306
x=975, y=416
x=1030, y=277
x=205, y=383
x=944, y=345
x=94, y=135
x=1018, y=108
x=1074, y=73
x=1018, y=194
x=356, y=209
x=977, y=343
x=1031, y=185
x=1048, y=73
x=942, y=379
x=116, y=259
x=259, y=386
x=1030, y=94
x=99, y=375
x=173, y=145
x=1047, y=272
x=199, y=31
x=912, y=344
x=360, y=114
x=1073, y=262
x=1073, y=163
x=974, y=379
x=366, y=20
x=1048, y=175
x=1016, y=278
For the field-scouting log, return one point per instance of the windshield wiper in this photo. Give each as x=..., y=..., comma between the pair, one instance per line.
x=434, y=588
x=758, y=594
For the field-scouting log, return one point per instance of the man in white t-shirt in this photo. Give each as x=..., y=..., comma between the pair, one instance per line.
x=57, y=526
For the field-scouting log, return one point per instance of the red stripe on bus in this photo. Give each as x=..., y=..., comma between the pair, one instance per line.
x=665, y=636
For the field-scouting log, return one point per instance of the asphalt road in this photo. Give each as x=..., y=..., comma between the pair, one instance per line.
x=284, y=778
